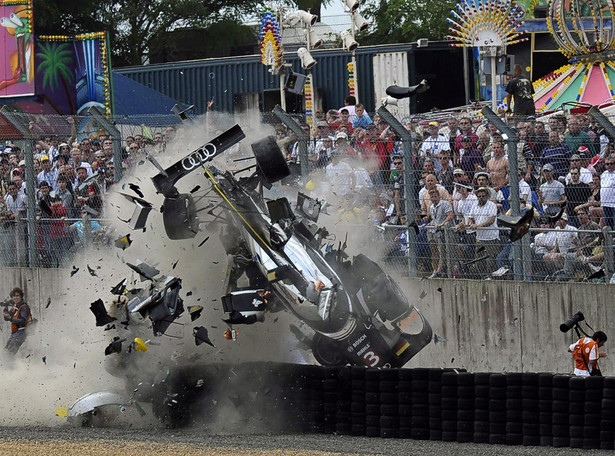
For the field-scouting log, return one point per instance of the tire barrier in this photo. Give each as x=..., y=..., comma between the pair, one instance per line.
x=531, y=409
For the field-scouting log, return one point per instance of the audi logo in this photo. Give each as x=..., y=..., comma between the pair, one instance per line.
x=199, y=156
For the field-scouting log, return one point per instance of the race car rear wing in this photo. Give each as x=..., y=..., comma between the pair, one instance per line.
x=165, y=182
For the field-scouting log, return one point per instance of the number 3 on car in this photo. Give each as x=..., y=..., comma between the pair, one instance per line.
x=371, y=358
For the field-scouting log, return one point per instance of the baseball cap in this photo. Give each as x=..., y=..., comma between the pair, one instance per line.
x=482, y=173
x=22, y=163
x=341, y=135
x=44, y=158
x=548, y=167
x=458, y=172
x=322, y=123
x=575, y=157
x=434, y=124
x=565, y=216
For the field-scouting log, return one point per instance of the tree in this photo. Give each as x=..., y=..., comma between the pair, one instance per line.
x=133, y=24
x=398, y=21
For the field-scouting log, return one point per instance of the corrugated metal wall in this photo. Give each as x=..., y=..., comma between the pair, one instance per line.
x=196, y=82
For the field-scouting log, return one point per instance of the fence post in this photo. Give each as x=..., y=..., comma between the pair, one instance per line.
x=116, y=141
x=23, y=127
x=301, y=135
x=513, y=182
x=608, y=252
x=409, y=185
x=602, y=120
x=449, y=246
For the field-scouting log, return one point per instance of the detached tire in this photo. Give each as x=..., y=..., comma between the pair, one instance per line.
x=270, y=160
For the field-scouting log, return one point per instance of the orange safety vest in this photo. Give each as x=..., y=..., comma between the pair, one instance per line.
x=581, y=352
x=14, y=327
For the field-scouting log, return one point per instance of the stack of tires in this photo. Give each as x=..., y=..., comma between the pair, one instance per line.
x=330, y=397
x=594, y=387
x=607, y=423
x=449, y=406
x=389, y=403
x=435, y=403
x=404, y=408
x=298, y=393
x=481, y=407
x=514, y=408
x=576, y=411
x=530, y=415
x=420, y=404
x=357, y=405
x=316, y=408
x=545, y=409
x=561, y=411
x=497, y=409
x=343, y=417
x=372, y=403
x=465, y=407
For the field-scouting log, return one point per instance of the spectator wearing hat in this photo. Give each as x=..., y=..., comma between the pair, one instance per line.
x=552, y=194
x=340, y=175
x=596, y=165
x=467, y=237
x=361, y=119
x=607, y=191
x=470, y=158
x=434, y=145
x=342, y=121
x=576, y=161
x=459, y=177
x=557, y=154
x=483, y=219
x=576, y=137
x=47, y=174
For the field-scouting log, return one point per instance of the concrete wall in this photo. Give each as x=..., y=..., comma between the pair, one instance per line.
x=508, y=326
x=497, y=326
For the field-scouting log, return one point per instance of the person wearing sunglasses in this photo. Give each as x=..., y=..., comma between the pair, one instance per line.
x=607, y=191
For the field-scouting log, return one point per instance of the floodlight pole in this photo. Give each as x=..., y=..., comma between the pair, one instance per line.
x=282, y=68
x=354, y=60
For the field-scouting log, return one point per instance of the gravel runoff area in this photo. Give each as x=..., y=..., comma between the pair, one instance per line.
x=136, y=442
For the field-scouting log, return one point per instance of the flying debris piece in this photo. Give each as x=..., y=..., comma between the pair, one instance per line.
x=100, y=312
x=189, y=293
x=200, y=383
x=45, y=208
x=135, y=188
x=120, y=288
x=204, y=241
x=44, y=358
x=123, y=242
x=231, y=334
x=140, y=345
x=90, y=210
x=115, y=346
x=201, y=335
x=236, y=400
x=597, y=275
x=195, y=312
x=475, y=260
x=437, y=339
x=175, y=264
x=406, y=92
x=139, y=216
x=88, y=181
x=48, y=303
x=163, y=306
x=62, y=412
x=500, y=272
x=74, y=271
x=92, y=271
x=556, y=217
x=519, y=226
x=275, y=320
x=109, y=327
x=144, y=270
x=423, y=294
x=195, y=189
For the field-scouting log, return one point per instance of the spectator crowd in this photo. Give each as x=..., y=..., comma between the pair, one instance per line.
x=566, y=171
x=461, y=185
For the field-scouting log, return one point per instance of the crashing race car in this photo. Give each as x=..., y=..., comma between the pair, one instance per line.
x=357, y=312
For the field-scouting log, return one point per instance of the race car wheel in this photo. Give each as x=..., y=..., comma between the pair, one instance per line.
x=270, y=160
x=325, y=351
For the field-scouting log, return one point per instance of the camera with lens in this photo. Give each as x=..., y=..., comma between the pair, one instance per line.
x=572, y=322
x=8, y=302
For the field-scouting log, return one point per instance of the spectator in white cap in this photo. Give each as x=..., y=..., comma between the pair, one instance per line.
x=551, y=194
x=586, y=175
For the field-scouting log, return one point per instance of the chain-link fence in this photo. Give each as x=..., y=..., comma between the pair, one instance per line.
x=377, y=174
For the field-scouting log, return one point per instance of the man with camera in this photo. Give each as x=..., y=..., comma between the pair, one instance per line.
x=18, y=313
x=585, y=354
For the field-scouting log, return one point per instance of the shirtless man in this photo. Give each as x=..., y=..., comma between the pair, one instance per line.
x=498, y=167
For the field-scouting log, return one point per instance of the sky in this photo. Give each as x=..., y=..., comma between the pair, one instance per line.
x=334, y=15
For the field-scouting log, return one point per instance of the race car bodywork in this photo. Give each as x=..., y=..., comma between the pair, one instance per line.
x=357, y=312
